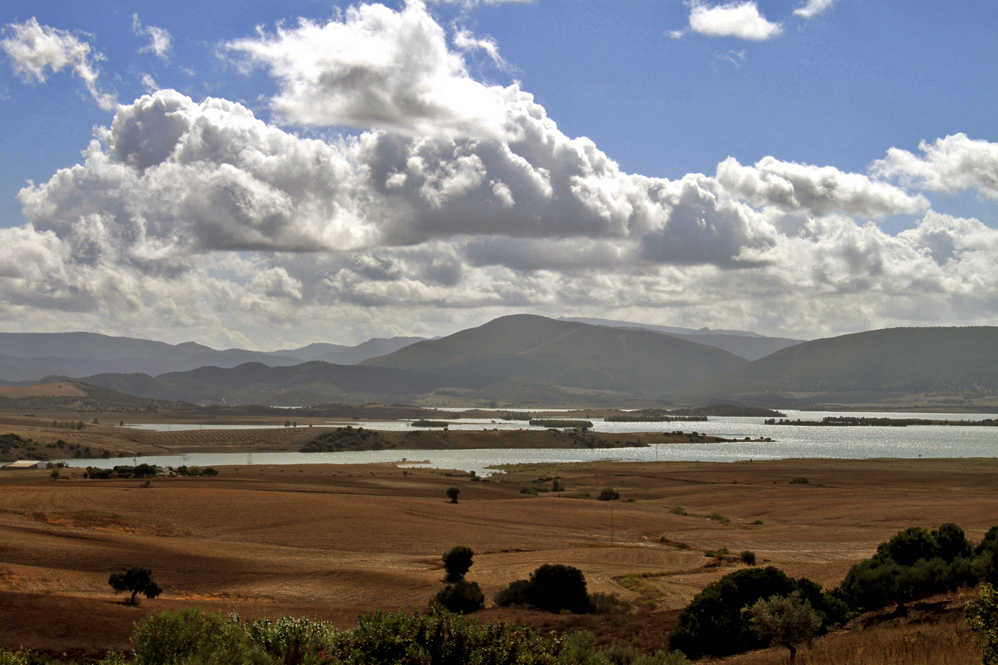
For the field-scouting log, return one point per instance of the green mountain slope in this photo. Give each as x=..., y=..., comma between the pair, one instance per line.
x=565, y=354
x=895, y=360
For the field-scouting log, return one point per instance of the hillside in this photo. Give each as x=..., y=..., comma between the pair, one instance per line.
x=28, y=357
x=306, y=384
x=565, y=354
x=869, y=366
x=748, y=345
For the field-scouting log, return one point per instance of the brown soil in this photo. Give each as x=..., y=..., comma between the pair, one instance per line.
x=330, y=542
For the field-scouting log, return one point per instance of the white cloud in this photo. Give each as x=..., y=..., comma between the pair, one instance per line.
x=465, y=40
x=34, y=50
x=818, y=190
x=949, y=164
x=198, y=219
x=813, y=8
x=741, y=20
x=376, y=67
x=160, y=40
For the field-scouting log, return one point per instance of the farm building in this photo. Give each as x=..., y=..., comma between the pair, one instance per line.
x=25, y=464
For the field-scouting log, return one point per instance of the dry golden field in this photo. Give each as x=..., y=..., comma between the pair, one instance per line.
x=330, y=542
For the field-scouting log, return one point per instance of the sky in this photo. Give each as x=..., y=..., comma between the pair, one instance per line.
x=278, y=174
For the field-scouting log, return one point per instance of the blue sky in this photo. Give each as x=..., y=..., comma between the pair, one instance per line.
x=794, y=168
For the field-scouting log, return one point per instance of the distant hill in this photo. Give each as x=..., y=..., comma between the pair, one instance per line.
x=866, y=367
x=748, y=345
x=76, y=395
x=306, y=384
x=565, y=354
x=27, y=357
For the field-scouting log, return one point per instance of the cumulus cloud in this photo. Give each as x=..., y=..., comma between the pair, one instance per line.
x=376, y=67
x=741, y=20
x=814, y=7
x=818, y=190
x=160, y=40
x=949, y=164
x=34, y=50
x=210, y=222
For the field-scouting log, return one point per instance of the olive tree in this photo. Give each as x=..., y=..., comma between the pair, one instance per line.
x=136, y=580
x=785, y=620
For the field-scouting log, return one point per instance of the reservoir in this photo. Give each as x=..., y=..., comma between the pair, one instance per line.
x=789, y=442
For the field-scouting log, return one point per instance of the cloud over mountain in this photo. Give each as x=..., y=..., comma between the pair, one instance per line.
x=456, y=198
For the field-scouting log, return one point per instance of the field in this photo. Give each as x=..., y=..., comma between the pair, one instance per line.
x=330, y=542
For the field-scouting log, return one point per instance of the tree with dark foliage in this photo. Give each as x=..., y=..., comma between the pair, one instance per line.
x=137, y=580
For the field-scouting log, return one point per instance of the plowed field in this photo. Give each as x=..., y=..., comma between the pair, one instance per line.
x=331, y=542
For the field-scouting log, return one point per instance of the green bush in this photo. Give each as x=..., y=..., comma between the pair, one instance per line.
x=192, y=636
x=462, y=597
x=912, y=564
x=609, y=494
x=748, y=557
x=713, y=624
x=294, y=641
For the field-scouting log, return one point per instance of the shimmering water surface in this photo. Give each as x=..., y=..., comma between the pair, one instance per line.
x=789, y=442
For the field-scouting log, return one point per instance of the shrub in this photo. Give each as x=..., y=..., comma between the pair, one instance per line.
x=713, y=623
x=137, y=580
x=457, y=562
x=748, y=557
x=609, y=494
x=191, y=636
x=951, y=542
x=294, y=641
x=800, y=480
x=910, y=565
x=607, y=603
x=982, y=617
x=462, y=597
x=552, y=587
x=452, y=494
x=908, y=546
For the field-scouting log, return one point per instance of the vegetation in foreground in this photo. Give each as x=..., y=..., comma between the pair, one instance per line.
x=193, y=636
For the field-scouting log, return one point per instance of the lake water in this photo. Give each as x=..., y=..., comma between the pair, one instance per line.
x=790, y=442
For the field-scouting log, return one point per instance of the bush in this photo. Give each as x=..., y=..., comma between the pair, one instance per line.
x=552, y=587
x=913, y=564
x=748, y=557
x=801, y=480
x=609, y=494
x=982, y=617
x=713, y=623
x=463, y=597
x=191, y=636
x=452, y=493
x=294, y=641
x=457, y=562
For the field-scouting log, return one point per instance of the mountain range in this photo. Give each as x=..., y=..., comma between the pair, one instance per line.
x=536, y=361
x=33, y=356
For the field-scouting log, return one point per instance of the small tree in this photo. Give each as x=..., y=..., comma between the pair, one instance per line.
x=137, y=580
x=463, y=597
x=982, y=617
x=452, y=493
x=609, y=494
x=787, y=620
x=457, y=562
x=54, y=474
